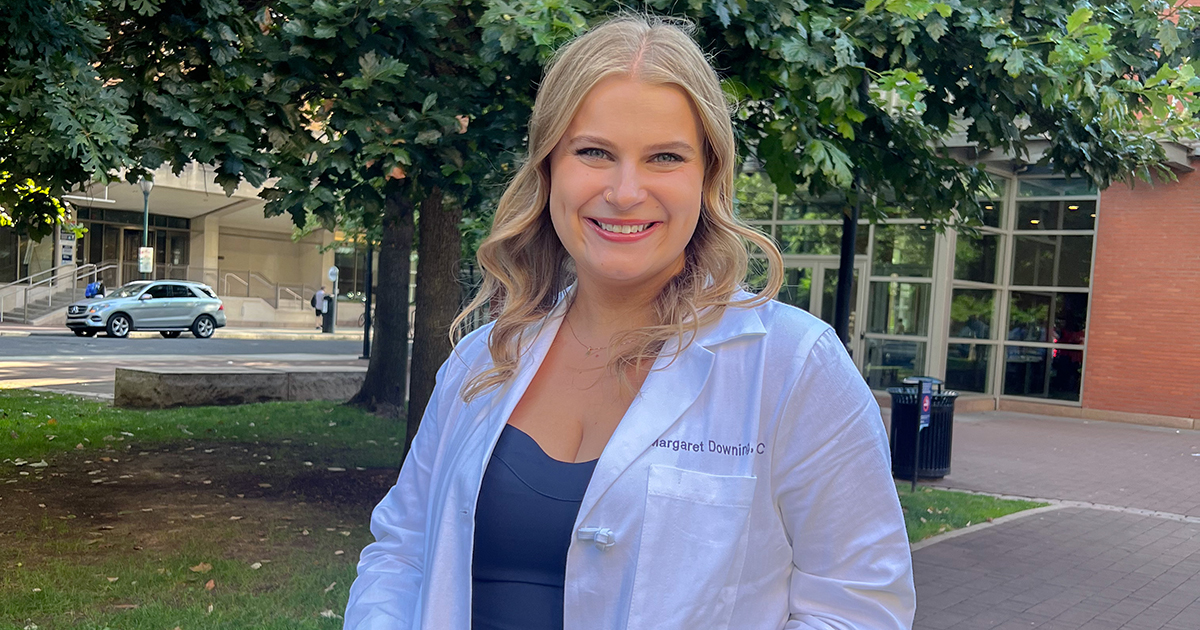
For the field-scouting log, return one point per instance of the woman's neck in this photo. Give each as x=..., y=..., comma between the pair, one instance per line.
x=601, y=312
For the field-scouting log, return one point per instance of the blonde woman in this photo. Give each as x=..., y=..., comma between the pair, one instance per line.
x=636, y=442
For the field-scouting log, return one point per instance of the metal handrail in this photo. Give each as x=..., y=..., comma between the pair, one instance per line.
x=225, y=281
x=27, y=280
x=80, y=272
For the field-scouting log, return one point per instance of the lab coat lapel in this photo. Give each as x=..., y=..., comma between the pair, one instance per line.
x=670, y=388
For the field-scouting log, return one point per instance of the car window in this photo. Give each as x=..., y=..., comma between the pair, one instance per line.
x=128, y=290
x=207, y=291
x=182, y=291
x=160, y=291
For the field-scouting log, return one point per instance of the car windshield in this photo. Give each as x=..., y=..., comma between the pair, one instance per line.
x=128, y=290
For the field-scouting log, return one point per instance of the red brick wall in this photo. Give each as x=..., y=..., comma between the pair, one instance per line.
x=1144, y=334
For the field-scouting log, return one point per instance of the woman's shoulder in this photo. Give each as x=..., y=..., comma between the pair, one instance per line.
x=783, y=323
x=470, y=351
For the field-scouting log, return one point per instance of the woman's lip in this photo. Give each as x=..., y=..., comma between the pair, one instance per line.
x=622, y=238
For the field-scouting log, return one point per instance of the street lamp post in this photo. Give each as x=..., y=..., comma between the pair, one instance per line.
x=146, y=185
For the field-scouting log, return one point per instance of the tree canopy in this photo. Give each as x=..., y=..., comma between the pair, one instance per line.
x=368, y=112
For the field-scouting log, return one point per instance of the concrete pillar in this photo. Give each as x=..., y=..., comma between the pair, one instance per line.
x=204, y=261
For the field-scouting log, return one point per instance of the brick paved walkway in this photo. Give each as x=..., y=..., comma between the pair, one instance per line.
x=1074, y=568
x=1062, y=458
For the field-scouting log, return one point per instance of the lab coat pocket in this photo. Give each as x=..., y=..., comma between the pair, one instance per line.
x=691, y=551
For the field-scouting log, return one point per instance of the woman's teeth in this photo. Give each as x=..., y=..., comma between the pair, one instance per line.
x=622, y=229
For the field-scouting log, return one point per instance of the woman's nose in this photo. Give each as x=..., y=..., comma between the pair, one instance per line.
x=628, y=190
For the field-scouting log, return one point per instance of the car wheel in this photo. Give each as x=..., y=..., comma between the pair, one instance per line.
x=203, y=327
x=170, y=334
x=118, y=326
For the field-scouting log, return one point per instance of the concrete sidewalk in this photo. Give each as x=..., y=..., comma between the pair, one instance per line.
x=228, y=332
x=1120, y=547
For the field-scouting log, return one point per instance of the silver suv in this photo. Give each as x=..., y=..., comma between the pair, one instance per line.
x=168, y=306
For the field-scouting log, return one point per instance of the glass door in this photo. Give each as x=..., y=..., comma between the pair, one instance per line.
x=810, y=283
x=131, y=240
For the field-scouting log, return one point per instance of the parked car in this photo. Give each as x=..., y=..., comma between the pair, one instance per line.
x=170, y=307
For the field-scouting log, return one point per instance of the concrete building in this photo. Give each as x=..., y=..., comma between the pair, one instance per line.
x=263, y=270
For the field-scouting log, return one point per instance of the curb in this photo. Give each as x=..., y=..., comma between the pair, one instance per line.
x=1055, y=504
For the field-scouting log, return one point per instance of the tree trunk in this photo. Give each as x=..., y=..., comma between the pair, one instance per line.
x=438, y=299
x=383, y=391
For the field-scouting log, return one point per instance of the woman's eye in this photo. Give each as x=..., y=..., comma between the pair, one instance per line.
x=592, y=152
x=667, y=157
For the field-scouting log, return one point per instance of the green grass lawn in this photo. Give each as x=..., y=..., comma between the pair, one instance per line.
x=223, y=517
x=929, y=511
x=38, y=425
x=248, y=517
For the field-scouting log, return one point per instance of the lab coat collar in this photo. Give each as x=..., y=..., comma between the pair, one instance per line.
x=670, y=388
x=674, y=383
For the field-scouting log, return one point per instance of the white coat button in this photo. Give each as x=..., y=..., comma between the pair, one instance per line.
x=603, y=537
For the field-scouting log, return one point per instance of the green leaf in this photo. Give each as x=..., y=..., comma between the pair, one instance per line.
x=1078, y=18
x=429, y=102
x=1168, y=36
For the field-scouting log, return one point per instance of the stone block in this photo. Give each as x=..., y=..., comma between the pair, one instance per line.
x=163, y=387
x=324, y=382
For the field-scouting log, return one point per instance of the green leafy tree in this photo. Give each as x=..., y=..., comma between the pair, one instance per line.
x=60, y=123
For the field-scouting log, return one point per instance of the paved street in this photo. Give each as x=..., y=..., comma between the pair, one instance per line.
x=86, y=366
x=1119, y=549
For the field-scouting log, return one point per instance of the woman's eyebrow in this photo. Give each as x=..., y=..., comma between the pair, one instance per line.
x=677, y=145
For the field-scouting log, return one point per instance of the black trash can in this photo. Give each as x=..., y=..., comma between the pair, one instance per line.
x=329, y=314
x=935, y=439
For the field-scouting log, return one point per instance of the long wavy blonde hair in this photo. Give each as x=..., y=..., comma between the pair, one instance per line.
x=525, y=266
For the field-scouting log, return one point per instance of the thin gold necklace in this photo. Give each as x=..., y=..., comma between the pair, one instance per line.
x=590, y=349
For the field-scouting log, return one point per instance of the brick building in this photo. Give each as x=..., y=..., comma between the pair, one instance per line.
x=1068, y=301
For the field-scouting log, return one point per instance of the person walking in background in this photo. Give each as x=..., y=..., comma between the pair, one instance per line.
x=318, y=302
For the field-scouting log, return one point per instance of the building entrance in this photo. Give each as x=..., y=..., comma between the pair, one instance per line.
x=810, y=283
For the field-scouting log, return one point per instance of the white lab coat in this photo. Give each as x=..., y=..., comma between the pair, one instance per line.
x=747, y=487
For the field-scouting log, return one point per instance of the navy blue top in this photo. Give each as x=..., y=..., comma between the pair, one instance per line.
x=528, y=502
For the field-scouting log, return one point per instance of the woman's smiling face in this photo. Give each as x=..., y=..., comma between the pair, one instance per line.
x=625, y=183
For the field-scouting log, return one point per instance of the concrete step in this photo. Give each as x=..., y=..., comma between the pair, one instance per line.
x=39, y=307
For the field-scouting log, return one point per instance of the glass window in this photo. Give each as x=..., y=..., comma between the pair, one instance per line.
x=161, y=291
x=989, y=211
x=160, y=246
x=8, y=254
x=112, y=244
x=971, y=313
x=899, y=308
x=820, y=240
x=903, y=250
x=1043, y=372
x=967, y=366
x=829, y=296
x=999, y=187
x=801, y=206
x=1056, y=187
x=95, y=239
x=890, y=361
x=1047, y=317
x=755, y=197
x=797, y=287
x=181, y=291
x=1056, y=215
x=1045, y=261
x=975, y=257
